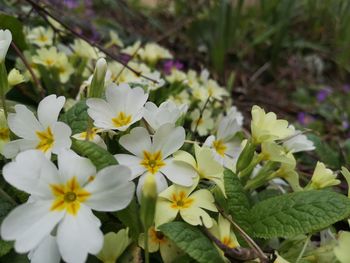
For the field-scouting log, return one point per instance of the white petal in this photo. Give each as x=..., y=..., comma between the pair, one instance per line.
x=70, y=164
x=79, y=235
x=137, y=141
x=46, y=252
x=111, y=189
x=132, y=162
x=101, y=112
x=161, y=183
x=49, y=109
x=32, y=172
x=116, y=96
x=11, y=149
x=29, y=224
x=61, y=133
x=179, y=172
x=23, y=123
x=168, y=139
x=135, y=100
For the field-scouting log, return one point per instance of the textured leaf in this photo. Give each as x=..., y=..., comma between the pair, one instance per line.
x=16, y=28
x=238, y=202
x=77, y=117
x=130, y=218
x=192, y=241
x=298, y=213
x=100, y=157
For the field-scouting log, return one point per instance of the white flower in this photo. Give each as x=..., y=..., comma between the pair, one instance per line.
x=45, y=133
x=225, y=149
x=168, y=112
x=92, y=136
x=63, y=198
x=298, y=142
x=124, y=106
x=5, y=41
x=201, y=124
x=151, y=155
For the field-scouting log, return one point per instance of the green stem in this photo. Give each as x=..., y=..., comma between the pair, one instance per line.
x=303, y=249
x=3, y=86
x=6, y=196
x=146, y=246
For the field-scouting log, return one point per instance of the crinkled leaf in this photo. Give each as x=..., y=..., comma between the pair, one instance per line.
x=100, y=157
x=130, y=218
x=298, y=213
x=238, y=202
x=192, y=241
x=15, y=26
x=77, y=117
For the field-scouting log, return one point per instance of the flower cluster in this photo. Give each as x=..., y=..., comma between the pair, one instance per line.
x=164, y=133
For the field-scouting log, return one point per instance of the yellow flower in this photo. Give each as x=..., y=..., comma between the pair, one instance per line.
x=114, y=245
x=206, y=166
x=265, y=127
x=271, y=151
x=85, y=50
x=15, y=77
x=46, y=57
x=41, y=36
x=157, y=241
x=65, y=69
x=323, y=177
x=180, y=200
x=115, y=40
x=152, y=52
x=342, y=251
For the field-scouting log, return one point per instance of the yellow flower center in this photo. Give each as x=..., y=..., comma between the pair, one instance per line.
x=121, y=120
x=219, y=147
x=91, y=135
x=152, y=161
x=68, y=196
x=42, y=38
x=49, y=62
x=227, y=241
x=46, y=140
x=156, y=236
x=4, y=134
x=180, y=201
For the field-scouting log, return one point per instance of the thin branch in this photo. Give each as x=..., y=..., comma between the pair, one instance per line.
x=304, y=248
x=40, y=89
x=201, y=114
x=42, y=11
x=238, y=253
x=9, y=198
x=260, y=254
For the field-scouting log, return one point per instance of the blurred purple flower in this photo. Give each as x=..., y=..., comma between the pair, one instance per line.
x=71, y=4
x=170, y=64
x=346, y=88
x=345, y=124
x=323, y=94
x=304, y=118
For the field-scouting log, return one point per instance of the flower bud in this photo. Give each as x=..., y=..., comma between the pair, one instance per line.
x=148, y=201
x=245, y=157
x=5, y=41
x=15, y=77
x=98, y=80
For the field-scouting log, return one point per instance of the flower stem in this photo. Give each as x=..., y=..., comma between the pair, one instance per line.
x=146, y=246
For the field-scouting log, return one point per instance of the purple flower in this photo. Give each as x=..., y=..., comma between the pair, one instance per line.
x=346, y=88
x=170, y=64
x=323, y=94
x=71, y=4
x=345, y=124
x=304, y=118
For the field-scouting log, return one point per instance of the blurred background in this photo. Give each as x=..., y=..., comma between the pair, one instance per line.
x=290, y=57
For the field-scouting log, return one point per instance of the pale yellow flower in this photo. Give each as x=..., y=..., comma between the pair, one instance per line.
x=40, y=36
x=265, y=127
x=15, y=77
x=202, y=124
x=223, y=232
x=323, y=177
x=152, y=53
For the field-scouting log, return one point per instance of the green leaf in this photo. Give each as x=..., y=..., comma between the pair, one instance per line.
x=192, y=241
x=16, y=28
x=77, y=117
x=325, y=152
x=5, y=208
x=100, y=157
x=238, y=202
x=130, y=218
x=298, y=213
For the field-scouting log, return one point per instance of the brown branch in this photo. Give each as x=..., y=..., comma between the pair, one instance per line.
x=260, y=254
x=201, y=114
x=42, y=11
x=40, y=90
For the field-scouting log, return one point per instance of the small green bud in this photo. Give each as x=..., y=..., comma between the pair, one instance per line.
x=246, y=156
x=97, y=86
